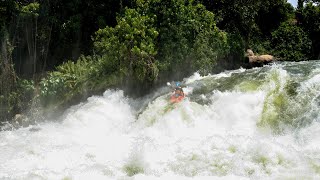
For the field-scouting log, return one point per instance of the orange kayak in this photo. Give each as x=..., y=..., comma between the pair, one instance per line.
x=176, y=99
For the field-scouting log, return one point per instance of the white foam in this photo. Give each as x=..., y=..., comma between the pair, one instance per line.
x=103, y=139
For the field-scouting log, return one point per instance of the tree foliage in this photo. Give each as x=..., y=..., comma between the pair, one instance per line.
x=74, y=79
x=290, y=42
x=253, y=20
x=309, y=20
x=130, y=45
x=164, y=35
x=183, y=27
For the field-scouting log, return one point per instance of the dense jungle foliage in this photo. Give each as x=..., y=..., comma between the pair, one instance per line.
x=54, y=53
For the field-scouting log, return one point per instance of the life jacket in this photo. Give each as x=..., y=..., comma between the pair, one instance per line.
x=177, y=97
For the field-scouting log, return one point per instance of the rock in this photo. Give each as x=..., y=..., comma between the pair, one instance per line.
x=20, y=120
x=34, y=129
x=266, y=58
x=250, y=52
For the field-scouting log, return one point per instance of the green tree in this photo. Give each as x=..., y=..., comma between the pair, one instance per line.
x=73, y=23
x=15, y=93
x=290, y=42
x=29, y=14
x=309, y=20
x=271, y=14
x=188, y=37
x=8, y=78
x=236, y=16
x=130, y=45
x=252, y=20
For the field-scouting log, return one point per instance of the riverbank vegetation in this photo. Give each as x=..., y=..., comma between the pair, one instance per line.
x=55, y=53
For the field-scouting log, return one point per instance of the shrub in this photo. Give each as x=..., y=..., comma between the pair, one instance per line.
x=74, y=79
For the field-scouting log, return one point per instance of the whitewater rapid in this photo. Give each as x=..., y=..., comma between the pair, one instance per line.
x=241, y=124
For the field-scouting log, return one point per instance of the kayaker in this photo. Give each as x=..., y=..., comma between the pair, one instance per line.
x=178, y=91
x=178, y=94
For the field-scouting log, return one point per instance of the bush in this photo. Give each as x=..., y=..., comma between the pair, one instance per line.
x=74, y=79
x=18, y=100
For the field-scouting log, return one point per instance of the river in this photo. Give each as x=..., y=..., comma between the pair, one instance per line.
x=260, y=123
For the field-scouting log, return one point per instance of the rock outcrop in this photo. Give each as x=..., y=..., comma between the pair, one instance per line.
x=266, y=58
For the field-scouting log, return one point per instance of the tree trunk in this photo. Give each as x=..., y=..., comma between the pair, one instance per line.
x=35, y=48
x=8, y=79
x=47, y=50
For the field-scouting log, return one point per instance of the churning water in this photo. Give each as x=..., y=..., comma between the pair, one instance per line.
x=261, y=123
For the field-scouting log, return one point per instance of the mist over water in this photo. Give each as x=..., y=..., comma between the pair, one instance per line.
x=242, y=124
